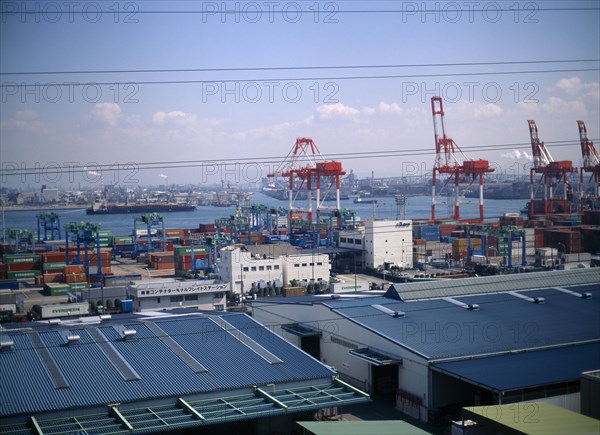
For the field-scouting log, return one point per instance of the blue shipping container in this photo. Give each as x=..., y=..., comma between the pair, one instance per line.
x=126, y=305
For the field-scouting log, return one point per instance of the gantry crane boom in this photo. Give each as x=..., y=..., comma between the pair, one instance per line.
x=541, y=155
x=447, y=162
x=590, y=164
x=554, y=175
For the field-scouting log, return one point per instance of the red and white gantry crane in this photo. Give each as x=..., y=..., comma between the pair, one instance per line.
x=590, y=164
x=554, y=178
x=449, y=166
x=305, y=163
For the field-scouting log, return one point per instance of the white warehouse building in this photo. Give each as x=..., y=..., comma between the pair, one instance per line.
x=382, y=241
x=271, y=265
x=434, y=347
x=243, y=269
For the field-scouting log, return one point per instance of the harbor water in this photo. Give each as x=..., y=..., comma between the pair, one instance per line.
x=417, y=207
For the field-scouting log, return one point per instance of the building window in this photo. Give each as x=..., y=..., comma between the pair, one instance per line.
x=268, y=267
x=304, y=265
x=219, y=307
x=245, y=269
x=342, y=240
x=358, y=242
x=319, y=263
x=253, y=268
x=261, y=267
x=176, y=298
x=158, y=300
x=276, y=267
x=296, y=265
x=218, y=295
x=191, y=297
x=312, y=264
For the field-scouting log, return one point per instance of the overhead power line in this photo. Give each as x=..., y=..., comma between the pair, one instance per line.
x=265, y=160
x=294, y=68
x=299, y=79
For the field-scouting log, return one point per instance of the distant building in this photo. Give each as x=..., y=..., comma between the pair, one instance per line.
x=49, y=195
x=275, y=265
x=169, y=294
x=245, y=270
x=382, y=241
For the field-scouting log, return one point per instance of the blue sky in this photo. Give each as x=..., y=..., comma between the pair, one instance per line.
x=237, y=115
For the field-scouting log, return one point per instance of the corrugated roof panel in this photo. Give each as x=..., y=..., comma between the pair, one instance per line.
x=437, y=329
x=93, y=379
x=526, y=369
x=497, y=283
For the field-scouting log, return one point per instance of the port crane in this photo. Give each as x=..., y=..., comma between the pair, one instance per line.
x=305, y=163
x=554, y=178
x=449, y=166
x=590, y=164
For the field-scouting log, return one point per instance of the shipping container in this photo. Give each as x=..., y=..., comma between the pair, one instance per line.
x=61, y=310
x=21, y=259
x=23, y=274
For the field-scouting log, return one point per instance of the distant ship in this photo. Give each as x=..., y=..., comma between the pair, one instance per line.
x=101, y=207
x=365, y=201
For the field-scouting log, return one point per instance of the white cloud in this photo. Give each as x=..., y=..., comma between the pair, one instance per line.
x=388, y=108
x=108, y=113
x=489, y=110
x=517, y=155
x=570, y=86
x=558, y=105
x=27, y=120
x=177, y=118
x=337, y=110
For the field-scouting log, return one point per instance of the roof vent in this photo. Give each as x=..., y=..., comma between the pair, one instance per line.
x=585, y=295
x=54, y=321
x=6, y=345
x=72, y=339
x=105, y=317
x=527, y=298
x=394, y=314
x=129, y=334
x=470, y=307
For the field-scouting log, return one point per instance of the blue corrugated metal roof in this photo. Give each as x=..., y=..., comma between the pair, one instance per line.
x=527, y=369
x=93, y=379
x=438, y=329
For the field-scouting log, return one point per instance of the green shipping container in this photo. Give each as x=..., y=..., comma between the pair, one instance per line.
x=183, y=250
x=23, y=274
x=53, y=266
x=55, y=288
x=78, y=285
x=21, y=258
x=104, y=233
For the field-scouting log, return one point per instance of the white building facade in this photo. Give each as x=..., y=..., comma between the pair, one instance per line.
x=388, y=241
x=382, y=241
x=245, y=271
x=306, y=267
x=158, y=295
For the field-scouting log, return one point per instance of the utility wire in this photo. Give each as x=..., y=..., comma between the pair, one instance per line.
x=272, y=160
x=301, y=68
x=300, y=79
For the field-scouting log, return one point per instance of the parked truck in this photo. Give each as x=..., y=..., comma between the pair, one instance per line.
x=52, y=311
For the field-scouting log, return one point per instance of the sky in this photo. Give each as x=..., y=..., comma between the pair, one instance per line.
x=202, y=91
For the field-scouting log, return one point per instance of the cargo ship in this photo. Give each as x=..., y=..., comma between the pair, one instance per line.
x=102, y=207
